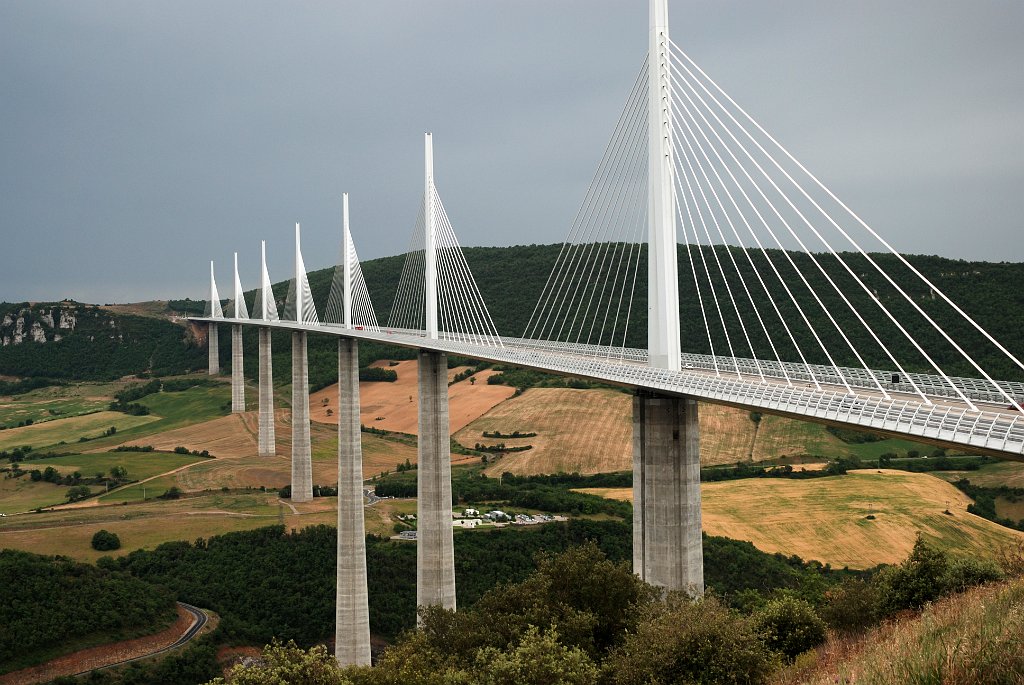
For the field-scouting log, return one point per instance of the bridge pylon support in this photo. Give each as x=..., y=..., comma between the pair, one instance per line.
x=267, y=440
x=237, y=375
x=435, y=551
x=213, y=343
x=352, y=617
x=302, y=464
x=667, y=547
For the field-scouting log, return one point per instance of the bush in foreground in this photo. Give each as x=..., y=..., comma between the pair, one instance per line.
x=789, y=626
x=681, y=641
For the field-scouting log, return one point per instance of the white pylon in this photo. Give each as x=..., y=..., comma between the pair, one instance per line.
x=662, y=270
x=215, y=309
x=268, y=308
x=430, y=239
x=299, y=274
x=240, y=309
x=346, y=264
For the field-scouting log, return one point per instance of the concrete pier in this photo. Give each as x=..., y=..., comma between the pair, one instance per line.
x=302, y=464
x=352, y=616
x=667, y=546
x=237, y=377
x=435, y=557
x=267, y=440
x=213, y=343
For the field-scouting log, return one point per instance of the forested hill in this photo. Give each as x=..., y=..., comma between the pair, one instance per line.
x=106, y=343
x=71, y=340
x=511, y=279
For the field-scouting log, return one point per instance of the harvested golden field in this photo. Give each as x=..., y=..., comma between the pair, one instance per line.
x=69, y=430
x=225, y=437
x=591, y=431
x=824, y=518
x=396, y=404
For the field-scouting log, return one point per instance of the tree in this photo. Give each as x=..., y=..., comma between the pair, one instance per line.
x=681, y=641
x=119, y=473
x=789, y=626
x=287, y=664
x=105, y=541
x=538, y=659
x=77, y=492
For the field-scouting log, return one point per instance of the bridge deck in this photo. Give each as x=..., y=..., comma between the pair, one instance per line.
x=943, y=420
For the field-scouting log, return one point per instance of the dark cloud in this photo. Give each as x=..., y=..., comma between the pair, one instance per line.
x=138, y=140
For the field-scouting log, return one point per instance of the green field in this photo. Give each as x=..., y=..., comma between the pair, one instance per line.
x=139, y=464
x=172, y=410
x=146, y=525
x=63, y=434
x=55, y=402
x=21, y=494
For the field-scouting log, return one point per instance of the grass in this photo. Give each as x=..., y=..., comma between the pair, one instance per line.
x=1009, y=473
x=970, y=639
x=21, y=494
x=824, y=518
x=60, y=401
x=590, y=431
x=69, y=431
x=172, y=410
x=139, y=464
x=146, y=525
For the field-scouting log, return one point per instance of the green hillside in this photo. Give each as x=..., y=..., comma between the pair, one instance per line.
x=106, y=344
x=70, y=340
x=511, y=280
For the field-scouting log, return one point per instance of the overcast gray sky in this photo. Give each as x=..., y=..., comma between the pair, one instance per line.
x=138, y=140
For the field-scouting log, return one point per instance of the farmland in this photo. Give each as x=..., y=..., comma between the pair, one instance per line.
x=827, y=518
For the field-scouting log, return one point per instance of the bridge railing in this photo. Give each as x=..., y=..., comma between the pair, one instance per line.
x=944, y=422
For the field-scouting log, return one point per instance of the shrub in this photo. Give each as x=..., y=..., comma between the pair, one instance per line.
x=966, y=573
x=789, y=626
x=851, y=606
x=684, y=641
x=105, y=541
x=173, y=492
x=915, y=582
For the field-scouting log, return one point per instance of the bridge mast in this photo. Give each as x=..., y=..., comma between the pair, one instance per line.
x=662, y=271
x=347, y=263
x=430, y=239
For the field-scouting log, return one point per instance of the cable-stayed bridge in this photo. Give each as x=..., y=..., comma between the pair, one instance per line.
x=807, y=312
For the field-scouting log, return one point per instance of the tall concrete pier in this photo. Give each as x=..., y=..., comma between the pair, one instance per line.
x=352, y=617
x=267, y=440
x=237, y=376
x=667, y=546
x=213, y=343
x=435, y=554
x=302, y=465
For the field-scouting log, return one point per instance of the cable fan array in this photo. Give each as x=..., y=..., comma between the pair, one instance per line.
x=361, y=307
x=213, y=309
x=462, y=313
x=775, y=276
x=302, y=308
x=589, y=298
